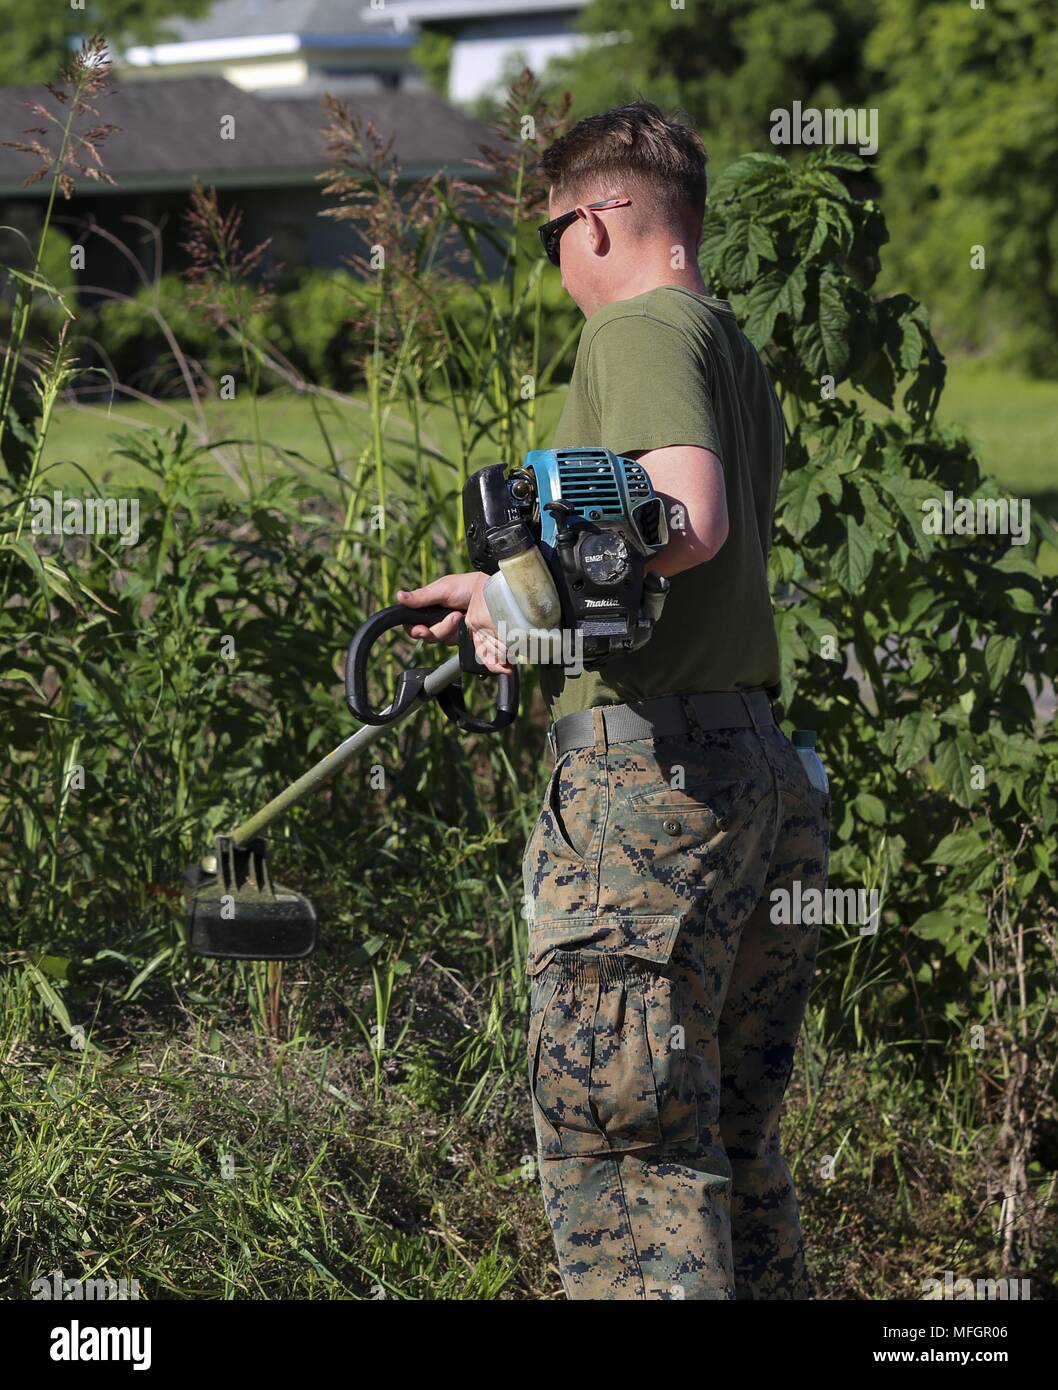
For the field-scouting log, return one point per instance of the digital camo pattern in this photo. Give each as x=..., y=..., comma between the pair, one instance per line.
x=665, y=1005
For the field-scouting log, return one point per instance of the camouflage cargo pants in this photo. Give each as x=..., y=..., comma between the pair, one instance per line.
x=665, y=1005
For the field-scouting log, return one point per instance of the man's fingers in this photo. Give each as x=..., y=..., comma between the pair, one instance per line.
x=450, y=591
x=444, y=631
x=491, y=653
x=429, y=593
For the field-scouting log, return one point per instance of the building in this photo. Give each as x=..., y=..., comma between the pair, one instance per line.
x=263, y=154
x=488, y=38
x=265, y=67
x=280, y=47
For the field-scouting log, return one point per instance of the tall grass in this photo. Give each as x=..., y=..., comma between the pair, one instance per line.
x=355, y=1126
x=156, y=693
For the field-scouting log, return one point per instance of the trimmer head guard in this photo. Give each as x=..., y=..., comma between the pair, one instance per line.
x=236, y=912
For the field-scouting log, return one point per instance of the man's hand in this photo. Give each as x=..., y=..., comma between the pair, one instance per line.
x=464, y=595
x=452, y=591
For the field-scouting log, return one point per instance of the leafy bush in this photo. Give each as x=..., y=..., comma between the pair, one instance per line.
x=926, y=660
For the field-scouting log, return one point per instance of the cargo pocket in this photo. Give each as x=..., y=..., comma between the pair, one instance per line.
x=609, y=1068
x=664, y=845
x=693, y=814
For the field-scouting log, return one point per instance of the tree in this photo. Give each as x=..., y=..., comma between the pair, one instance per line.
x=728, y=64
x=968, y=158
x=38, y=37
x=968, y=128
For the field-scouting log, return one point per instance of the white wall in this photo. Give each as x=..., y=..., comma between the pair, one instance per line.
x=478, y=61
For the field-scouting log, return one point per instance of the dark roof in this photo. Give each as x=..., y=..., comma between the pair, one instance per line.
x=171, y=132
x=427, y=131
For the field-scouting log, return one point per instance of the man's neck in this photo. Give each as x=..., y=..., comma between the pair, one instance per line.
x=659, y=271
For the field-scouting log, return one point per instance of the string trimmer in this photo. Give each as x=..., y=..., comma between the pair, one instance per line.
x=566, y=539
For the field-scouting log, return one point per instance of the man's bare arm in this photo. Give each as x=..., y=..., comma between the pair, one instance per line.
x=692, y=479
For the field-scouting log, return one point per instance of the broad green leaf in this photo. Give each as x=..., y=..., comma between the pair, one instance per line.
x=1022, y=601
x=828, y=184
x=999, y=654
x=761, y=241
x=829, y=476
x=961, y=847
x=1027, y=882
x=877, y=517
x=870, y=808
x=57, y=967
x=911, y=344
x=909, y=494
x=955, y=765
x=936, y=926
x=792, y=650
x=751, y=169
x=782, y=564
x=818, y=237
x=854, y=557
x=800, y=496
x=917, y=733
x=833, y=323
x=922, y=600
x=1015, y=561
x=834, y=157
x=775, y=294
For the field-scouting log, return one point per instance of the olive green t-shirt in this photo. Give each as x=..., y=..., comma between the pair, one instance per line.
x=672, y=367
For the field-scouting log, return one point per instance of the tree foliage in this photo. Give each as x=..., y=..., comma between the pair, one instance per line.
x=969, y=158
x=967, y=124
x=727, y=64
x=35, y=34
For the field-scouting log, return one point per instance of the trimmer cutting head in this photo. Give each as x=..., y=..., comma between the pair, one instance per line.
x=236, y=912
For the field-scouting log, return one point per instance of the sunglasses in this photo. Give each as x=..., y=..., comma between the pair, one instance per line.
x=551, y=232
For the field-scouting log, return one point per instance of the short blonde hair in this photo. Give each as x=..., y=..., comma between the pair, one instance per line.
x=630, y=150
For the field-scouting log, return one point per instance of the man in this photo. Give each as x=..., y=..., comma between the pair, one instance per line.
x=665, y=1001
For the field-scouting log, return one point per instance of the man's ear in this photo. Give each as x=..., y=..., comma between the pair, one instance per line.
x=595, y=227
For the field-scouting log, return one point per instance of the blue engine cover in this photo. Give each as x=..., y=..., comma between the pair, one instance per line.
x=603, y=487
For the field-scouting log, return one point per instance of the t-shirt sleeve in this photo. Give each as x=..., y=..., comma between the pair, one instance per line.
x=649, y=387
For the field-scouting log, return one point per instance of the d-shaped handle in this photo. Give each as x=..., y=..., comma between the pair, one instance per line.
x=409, y=687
